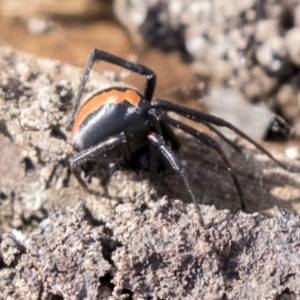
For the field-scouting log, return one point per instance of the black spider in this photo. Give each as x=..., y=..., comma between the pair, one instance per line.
x=120, y=124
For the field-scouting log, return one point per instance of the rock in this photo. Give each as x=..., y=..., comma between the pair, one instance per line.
x=124, y=239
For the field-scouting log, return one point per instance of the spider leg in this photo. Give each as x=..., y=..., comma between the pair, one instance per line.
x=223, y=137
x=94, y=151
x=101, y=55
x=201, y=117
x=162, y=116
x=165, y=131
x=176, y=165
x=171, y=136
x=153, y=160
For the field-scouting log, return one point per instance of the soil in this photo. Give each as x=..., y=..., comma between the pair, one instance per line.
x=129, y=237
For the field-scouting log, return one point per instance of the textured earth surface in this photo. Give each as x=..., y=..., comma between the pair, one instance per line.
x=125, y=239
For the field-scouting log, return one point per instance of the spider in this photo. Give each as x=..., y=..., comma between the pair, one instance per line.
x=122, y=125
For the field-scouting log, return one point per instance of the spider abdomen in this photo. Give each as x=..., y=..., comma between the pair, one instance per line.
x=108, y=111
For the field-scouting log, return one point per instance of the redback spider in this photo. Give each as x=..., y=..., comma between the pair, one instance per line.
x=119, y=124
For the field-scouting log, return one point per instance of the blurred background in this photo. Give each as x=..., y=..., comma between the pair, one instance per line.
x=236, y=59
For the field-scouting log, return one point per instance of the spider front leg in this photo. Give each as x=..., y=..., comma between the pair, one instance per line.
x=98, y=55
x=94, y=152
x=157, y=141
